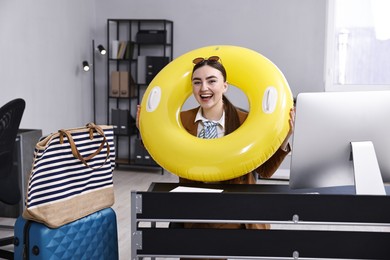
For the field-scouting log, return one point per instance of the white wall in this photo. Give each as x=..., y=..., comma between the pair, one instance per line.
x=43, y=44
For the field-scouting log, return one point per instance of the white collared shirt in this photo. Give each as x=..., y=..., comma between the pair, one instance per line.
x=220, y=122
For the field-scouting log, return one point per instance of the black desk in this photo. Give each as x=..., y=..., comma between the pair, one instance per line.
x=259, y=204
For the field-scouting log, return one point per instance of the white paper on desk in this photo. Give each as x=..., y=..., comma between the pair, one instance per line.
x=194, y=189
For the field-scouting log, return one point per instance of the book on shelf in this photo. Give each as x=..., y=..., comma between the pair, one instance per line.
x=124, y=84
x=122, y=49
x=120, y=121
x=114, y=49
x=129, y=50
x=123, y=123
x=115, y=84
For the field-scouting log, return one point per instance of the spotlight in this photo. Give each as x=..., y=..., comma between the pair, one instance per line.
x=85, y=65
x=101, y=49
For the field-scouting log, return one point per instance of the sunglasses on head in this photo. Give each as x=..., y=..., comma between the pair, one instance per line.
x=201, y=60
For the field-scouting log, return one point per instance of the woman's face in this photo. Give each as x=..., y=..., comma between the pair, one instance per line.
x=208, y=87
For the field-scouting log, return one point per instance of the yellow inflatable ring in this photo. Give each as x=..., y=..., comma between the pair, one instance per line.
x=231, y=156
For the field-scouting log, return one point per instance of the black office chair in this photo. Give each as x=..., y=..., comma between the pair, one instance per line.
x=10, y=117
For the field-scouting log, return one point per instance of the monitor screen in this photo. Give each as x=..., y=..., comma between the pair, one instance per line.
x=325, y=125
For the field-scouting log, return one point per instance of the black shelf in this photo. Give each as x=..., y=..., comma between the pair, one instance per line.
x=128, y=75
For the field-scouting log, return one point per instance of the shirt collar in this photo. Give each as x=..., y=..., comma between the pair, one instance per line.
x=200, y=117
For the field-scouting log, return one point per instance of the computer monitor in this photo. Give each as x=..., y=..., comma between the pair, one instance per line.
x=325, y=125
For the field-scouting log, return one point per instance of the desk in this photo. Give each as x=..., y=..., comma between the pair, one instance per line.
x=259, y=204
x=26, y=140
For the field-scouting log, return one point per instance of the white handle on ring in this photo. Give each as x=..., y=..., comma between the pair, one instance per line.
x=270, y=99
x=153, y=99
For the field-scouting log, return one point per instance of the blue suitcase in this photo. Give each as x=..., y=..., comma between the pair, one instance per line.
x=92, y=237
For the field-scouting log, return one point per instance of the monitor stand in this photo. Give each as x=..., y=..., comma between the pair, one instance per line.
x=368, y=178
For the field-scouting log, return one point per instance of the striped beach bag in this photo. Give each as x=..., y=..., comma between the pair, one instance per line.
x=71, y=175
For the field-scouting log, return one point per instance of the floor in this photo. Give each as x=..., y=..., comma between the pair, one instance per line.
x=124, y=182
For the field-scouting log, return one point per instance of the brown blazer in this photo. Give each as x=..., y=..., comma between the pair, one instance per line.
x=266, y=170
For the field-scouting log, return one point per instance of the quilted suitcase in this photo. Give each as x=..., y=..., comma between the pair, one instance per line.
x=92, y=237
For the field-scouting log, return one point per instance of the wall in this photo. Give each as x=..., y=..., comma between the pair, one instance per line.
x=43, y=44
x=289, y=33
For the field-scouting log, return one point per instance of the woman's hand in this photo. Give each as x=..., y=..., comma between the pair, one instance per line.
x=137, y=116
x=291, y=130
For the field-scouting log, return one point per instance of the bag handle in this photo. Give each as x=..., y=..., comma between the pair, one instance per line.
x=92, y=127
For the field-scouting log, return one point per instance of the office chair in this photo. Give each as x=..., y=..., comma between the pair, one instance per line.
x=10, y=117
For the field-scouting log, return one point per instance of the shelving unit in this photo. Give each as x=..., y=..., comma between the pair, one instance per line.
x=138, y=49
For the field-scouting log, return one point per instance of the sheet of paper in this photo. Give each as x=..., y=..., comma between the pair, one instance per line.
x=194, y=189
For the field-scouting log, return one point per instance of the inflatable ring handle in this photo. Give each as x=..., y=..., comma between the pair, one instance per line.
x=233, y=155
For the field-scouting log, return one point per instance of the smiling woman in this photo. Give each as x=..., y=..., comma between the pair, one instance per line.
x=165, y=130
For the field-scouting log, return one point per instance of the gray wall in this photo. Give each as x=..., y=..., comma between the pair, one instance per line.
x=44, y=42
x=291, y=33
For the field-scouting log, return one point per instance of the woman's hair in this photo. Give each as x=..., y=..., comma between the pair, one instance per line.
x=232, y=122
x=212, y=63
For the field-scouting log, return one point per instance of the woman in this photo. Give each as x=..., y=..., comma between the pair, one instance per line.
x=209, y=84
x=217, y=116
